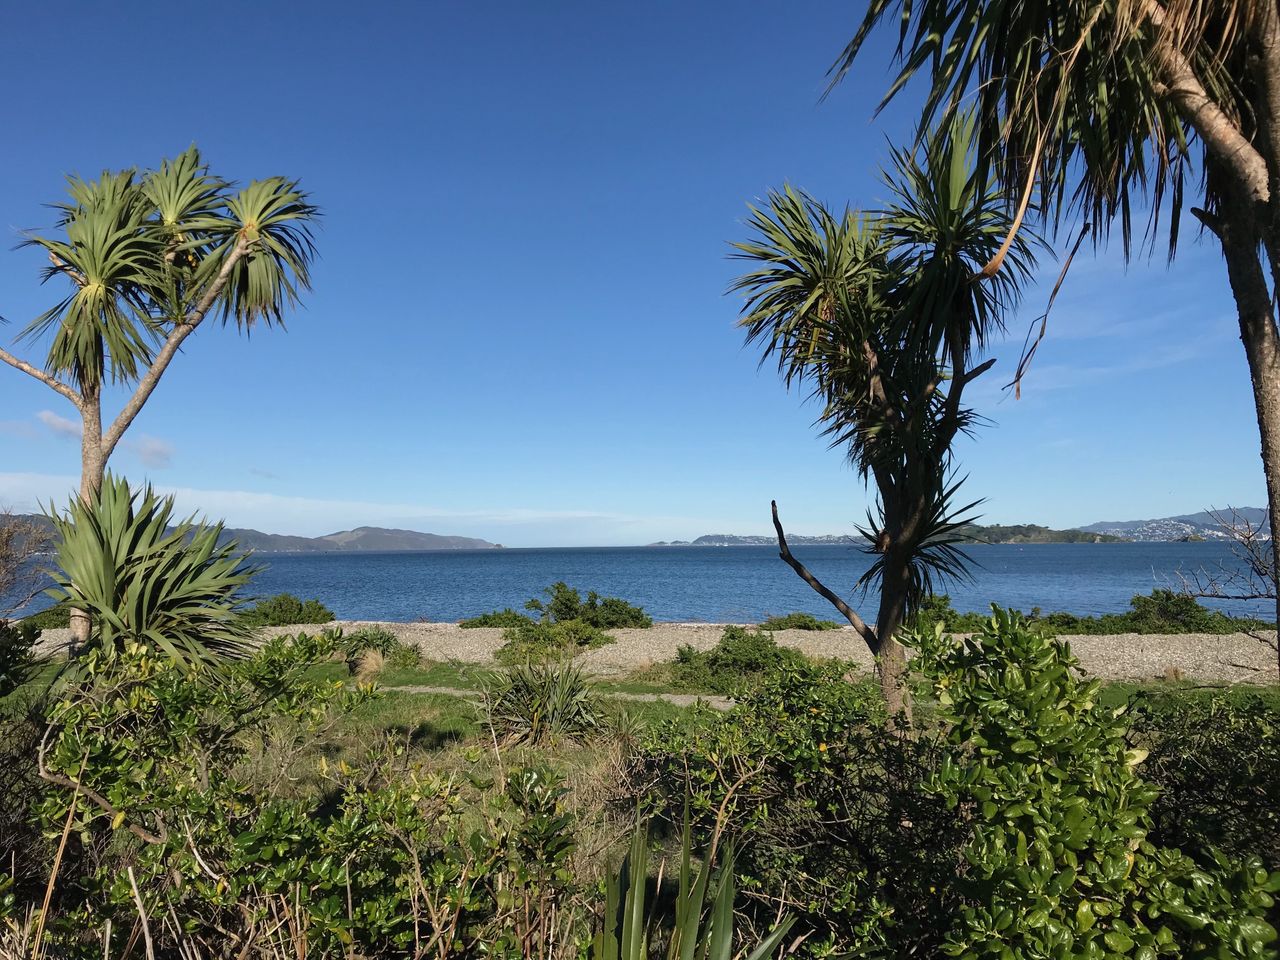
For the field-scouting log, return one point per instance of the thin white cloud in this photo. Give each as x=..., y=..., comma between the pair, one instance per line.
x=59, y=425
x=152, y=451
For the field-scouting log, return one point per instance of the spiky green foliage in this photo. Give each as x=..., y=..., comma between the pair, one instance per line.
x=143, y=251
x=703, y=926
x=541, y=703
x=146, y=579
x=878, y=315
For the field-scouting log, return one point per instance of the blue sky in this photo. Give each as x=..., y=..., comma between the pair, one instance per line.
x=519, y=329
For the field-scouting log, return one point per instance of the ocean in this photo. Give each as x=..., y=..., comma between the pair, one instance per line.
x=725, y=584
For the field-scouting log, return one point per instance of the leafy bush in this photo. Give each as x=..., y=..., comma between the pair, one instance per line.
x=403, y=656
x=824, y=810
x=1216, y=758
x=738, y=660
x=286, y=610
x=549, y=641
x=541, y=703
x=1163, y=611
x=798, y=621
x=1058, y=858
x=605, y=613
x=51, y=618
x=18, y=658
x=148, y=762
x=145, y=579
x=498, y=618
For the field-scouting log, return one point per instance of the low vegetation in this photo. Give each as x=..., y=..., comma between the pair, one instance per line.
x=564, y=604
x=1161, y=612
x=798, y=621
x=286, y=610
x=541, y=703
x=739, y=660
x=540, y=641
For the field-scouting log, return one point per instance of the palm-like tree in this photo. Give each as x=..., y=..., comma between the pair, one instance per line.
x=1086, y=107
x=879, y=316
x=145, y=259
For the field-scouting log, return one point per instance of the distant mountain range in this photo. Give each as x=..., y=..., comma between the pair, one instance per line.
x=1201, y=525
x=346, y=541
x=1192, y=526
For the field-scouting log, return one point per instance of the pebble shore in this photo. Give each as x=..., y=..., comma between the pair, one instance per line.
x=1202, y=658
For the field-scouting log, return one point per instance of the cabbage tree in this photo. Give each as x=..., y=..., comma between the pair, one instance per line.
x=878, y=316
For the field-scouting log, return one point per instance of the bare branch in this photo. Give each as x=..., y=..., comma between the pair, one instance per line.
x=180, y=332
x=867, y=633
x=47, y=379
x=21, y=540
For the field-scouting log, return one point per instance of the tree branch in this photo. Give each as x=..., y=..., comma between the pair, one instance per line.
x=1221, y=136
x=46, y=378
x=866, y=632
x=181, y=330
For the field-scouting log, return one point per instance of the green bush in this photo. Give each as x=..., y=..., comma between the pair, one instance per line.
x=541, y=703
x=403, y=656
x=18, y=660
x=825, y=810
x=286, y=610
x=564, y=603
x=739, y=660
x=538, y=642
x=798, y=621
x=1163, y=611
x=1058, y=861
x=52, y=618
x=498, y=618
x=388, y=863
x=1215, y=755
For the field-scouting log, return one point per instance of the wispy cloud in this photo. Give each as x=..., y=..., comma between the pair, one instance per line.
x=152, y=451
x=58, y=425
x=265, y=474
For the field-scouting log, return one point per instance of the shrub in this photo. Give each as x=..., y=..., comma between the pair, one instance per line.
x=51, y=618
x=1216, y=758
x=18, y=658
x=1163, y=611
x=798, y=621
x=549, y=641
x=286, y=610
x=1058, y=858
x=498, y=618
x=541, y=703
x=738, y=660
x=823, y=808
x=404, y=656
x=387, y=863
x=564, y=603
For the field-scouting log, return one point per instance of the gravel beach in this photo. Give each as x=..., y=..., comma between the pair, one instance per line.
x=1204, y=658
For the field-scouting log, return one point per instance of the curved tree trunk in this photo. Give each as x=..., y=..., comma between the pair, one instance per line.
x=891, y=658
x=1241, y=238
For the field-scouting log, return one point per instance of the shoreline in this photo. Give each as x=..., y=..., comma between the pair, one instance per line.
x=1234, y=658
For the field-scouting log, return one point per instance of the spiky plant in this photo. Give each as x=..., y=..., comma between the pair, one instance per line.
x=703, y=925
x=878, y=315
x=541, y=703
x=145, y=578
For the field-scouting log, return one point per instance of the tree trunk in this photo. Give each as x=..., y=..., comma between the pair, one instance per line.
x=891, y=659
x=93, y=465
x=1241, y=245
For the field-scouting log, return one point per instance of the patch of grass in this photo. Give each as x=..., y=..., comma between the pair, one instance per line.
x=798, y=621
x=54, y=618
x=539, y=642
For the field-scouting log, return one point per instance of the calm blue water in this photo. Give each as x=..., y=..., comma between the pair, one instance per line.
x=720, y=583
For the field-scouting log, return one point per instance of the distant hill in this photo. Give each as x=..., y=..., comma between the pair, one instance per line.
x=1032, y=533
x=1200, y=525
x=361, y=538
x=1020, y=533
